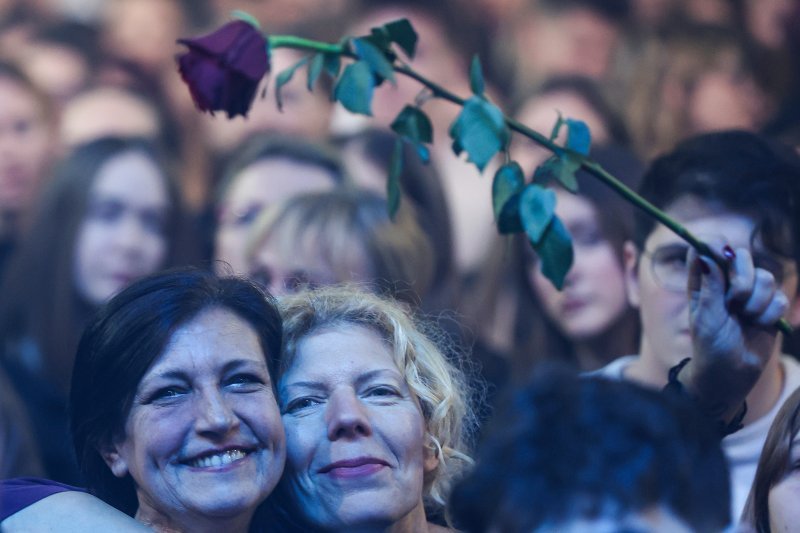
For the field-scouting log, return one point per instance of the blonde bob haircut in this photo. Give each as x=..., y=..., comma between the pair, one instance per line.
x=438, y=385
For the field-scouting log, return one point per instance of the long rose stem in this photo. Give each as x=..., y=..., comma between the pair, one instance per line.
x=592, y=167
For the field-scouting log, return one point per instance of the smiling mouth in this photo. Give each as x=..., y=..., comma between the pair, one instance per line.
x=220, y=459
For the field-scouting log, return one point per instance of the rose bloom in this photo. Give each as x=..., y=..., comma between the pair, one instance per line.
x=223, y=69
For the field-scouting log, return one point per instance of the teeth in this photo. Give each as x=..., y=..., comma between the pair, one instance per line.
x=219, y=459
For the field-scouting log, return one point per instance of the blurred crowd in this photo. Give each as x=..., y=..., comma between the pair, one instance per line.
x=108, y=173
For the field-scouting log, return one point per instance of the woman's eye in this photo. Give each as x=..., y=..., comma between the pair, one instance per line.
x=300, y=404
x=245, y=382
x=166, y=394
x=105, y=211
x=382, y=391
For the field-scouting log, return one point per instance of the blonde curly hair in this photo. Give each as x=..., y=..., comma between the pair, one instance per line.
x=440, y=387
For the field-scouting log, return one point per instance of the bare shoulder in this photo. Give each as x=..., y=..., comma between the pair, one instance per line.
x=69, y=512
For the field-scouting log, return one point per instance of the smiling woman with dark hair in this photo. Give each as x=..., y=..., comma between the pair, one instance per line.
x=173, y=411
x=109, y=216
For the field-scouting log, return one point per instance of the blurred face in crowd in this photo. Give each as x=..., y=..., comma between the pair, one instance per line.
x=657, y=275
x=25, y=146
x=203, y=439
x=355, y=432
x=593, y=297
x=144, y=31
x=541, y=113
x=576, y=41
x=122, y=237
x=290, y=259
x=107, y=111
x=259, y=185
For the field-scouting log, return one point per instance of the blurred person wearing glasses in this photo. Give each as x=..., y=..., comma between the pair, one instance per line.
x=707, y=333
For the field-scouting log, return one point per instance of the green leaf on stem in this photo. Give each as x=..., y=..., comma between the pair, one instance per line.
x=247, y=17
x=537, y=206
x=314, y=70
x=508, y=181
x=333, y=64
x=480, y=130
x=561, y=167
x=555, y=252
x=476, y=76
x=375, y=58
x=402, y=32
x=578, y=136
x=413, y=124
x=380, y=38
x=393, y=181
x=285, y=77
x=355, y=88
x=557, y=127
x=509, y=220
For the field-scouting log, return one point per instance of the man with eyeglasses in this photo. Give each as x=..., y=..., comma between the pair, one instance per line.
x=706, y=332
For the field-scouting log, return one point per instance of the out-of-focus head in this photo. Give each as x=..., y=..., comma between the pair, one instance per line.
x=26, y=140
x=264, y=171
x=341, y=236
x=144, y=31
x=731, y=171
x=108, y=111
x=733, y=188
x=772, y=503
x=694, y=79
x=593, y=298
x=173, y=413
x=60, y=58
x=556, y=37
x=572, y=97
x=575, y=454
x=367, y=156
x=110, y=216
x=375, y=415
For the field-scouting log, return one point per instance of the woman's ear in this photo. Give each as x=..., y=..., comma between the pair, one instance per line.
x=432, y=452
x=630, y=261
x=114, y=459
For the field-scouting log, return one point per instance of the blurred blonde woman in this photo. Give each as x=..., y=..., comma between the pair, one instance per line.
x=343, y=235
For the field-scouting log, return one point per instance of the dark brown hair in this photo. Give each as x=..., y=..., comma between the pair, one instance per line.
x=774, y=463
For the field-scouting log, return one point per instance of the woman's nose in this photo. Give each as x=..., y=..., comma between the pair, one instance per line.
x=213, y=414
x=347, y=417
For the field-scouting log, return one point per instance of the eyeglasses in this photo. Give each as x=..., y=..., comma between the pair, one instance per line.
x=670, y=271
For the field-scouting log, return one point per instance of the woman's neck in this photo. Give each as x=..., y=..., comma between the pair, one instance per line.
x=191, y=523
x=413, y=522
x=596, y=352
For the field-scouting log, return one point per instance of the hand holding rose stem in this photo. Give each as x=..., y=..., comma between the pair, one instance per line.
x=224, y=69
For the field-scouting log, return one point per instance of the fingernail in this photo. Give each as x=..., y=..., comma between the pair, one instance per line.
x=728, y=252
x=704, y=268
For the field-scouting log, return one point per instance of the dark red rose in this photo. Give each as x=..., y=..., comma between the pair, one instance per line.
x=223, y=69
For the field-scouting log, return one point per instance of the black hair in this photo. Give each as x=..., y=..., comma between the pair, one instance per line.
x=565, y=448
x=126, y=337
x=737, y=171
